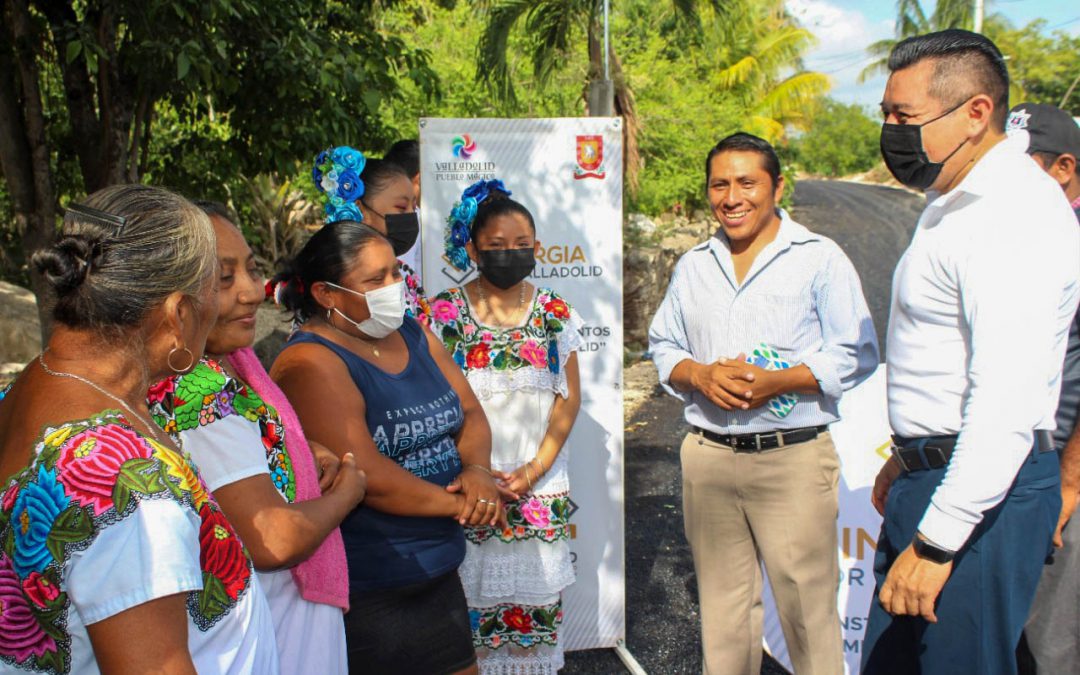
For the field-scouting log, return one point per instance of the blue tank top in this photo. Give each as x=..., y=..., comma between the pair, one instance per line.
x=413, y=417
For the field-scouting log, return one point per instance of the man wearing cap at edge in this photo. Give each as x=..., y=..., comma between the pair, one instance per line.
x=981, y=306
x=1052, y=632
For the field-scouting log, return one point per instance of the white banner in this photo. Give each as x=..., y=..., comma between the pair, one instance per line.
x=568, y=173
x=862, y=441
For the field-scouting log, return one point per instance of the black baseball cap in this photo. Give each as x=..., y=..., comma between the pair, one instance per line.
x=1049, y=129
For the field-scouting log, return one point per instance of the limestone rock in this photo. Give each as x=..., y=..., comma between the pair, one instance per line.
x=20, y=329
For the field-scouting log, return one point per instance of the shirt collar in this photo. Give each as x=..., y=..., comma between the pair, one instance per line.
x=789, y=233
x=984, y=177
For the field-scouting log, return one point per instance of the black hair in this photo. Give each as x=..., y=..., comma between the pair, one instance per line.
x=965, y=64
x=327, y=256
x=406, y=154
x=498, y=204
x=377, y=175
x=122, y=251
x=212, y=208
x=741, y=141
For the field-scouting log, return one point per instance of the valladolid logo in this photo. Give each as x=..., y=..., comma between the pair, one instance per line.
x=590, y=157
x=463, y=146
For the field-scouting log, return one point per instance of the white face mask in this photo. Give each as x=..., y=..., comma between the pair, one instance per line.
x=386, y=305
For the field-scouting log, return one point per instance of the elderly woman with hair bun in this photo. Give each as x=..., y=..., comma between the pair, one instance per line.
x=114, y=557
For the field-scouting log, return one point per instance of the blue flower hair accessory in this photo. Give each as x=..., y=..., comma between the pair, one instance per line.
x=459, y=223
x=336, y=174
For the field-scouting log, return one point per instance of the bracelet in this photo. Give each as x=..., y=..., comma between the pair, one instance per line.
x=482, y=468
x=541, y=463
x=527, y=476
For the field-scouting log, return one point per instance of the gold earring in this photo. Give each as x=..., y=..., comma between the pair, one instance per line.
x=179, y=371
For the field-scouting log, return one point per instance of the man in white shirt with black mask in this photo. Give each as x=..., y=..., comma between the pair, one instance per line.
x=981, y=306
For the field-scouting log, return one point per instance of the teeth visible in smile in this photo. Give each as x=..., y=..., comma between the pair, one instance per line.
x=740, y=214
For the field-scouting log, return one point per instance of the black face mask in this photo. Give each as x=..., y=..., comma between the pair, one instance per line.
x=506, y=267
x=902, y=150
x=402, y=229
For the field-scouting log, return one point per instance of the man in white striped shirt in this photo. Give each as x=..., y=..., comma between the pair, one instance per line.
x=761, y=330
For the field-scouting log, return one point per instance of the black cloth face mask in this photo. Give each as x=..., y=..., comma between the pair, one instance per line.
x=506, y=267
x=902, y=150
x=402, y=229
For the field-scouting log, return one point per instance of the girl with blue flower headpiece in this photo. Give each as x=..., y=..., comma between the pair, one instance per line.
x=379, y=194
x=518, y=347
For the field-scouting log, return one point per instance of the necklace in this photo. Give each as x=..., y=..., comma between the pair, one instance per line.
x=374, y=349
x=152, y=428
x=491, y=311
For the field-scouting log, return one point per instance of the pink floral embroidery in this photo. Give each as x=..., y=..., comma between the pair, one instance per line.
x=534, y=354
x=486, y=336
x=90, y=462
x=444, y=311
x=21, y=634
x=8, y=501
x=469, y=329
x=39, y=589
x=536, y=512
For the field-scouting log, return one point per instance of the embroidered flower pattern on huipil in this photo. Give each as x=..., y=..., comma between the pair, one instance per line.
x=521, y=625
x=530, y=355
x=542, y=517
x=208, y=394
x=86, y=477
x=416, y=302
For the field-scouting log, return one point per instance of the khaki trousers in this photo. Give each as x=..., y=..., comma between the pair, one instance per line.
x=778, y=507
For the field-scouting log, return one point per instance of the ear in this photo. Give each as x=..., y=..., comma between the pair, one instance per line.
x=322, y=295
x=537, y=248
x=779, y=191
x=980, y=110
x=175, y=312
x=1064, y=169
x=470, y=248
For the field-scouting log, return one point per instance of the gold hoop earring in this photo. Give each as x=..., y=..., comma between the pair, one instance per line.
x=180, y=371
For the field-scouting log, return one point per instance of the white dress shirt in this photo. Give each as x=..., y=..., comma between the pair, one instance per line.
x=981, y=305
x=801, y=297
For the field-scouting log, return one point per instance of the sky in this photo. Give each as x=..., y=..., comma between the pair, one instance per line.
x=844, y=28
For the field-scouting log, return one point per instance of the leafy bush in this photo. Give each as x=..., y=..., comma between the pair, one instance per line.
x=843, y=140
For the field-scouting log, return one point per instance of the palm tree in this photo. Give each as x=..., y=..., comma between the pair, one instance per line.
x=911, y=20
x=756, y=56
x=551, y=26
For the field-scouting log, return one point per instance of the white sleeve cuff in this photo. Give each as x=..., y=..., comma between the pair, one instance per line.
x=824, y=371
x=945, y=530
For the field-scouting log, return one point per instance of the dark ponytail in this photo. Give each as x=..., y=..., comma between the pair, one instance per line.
x=327, y=256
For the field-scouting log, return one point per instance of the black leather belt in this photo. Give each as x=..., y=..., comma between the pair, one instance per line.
x=934, y=452
x=764, y=441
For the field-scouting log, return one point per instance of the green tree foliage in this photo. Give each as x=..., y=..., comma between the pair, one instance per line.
x=247, y=86
x=1043, y=65
x=842, y=141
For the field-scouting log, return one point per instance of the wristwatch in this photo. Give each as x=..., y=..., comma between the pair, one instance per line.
x=924, y=548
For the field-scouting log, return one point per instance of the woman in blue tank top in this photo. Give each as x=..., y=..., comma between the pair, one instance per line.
x=365, y=378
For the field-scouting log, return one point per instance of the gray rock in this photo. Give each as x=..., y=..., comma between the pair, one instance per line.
x=20, y=329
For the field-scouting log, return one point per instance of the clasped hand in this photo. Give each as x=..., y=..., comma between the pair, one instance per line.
x=482, y=498
x=733, y=384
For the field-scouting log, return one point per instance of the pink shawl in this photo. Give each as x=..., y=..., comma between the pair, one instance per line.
x=324, y=577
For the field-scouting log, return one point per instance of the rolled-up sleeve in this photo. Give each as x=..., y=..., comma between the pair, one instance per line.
x=849, y=350
x=668, y=342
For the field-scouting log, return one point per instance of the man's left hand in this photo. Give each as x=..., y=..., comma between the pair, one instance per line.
x=913, y=585
x=763, y=384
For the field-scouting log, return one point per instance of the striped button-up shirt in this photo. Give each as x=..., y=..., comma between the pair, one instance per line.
x=801, y=297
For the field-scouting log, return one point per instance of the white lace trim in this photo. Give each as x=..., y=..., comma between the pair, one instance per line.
x=487, y=382
x=526, y=572
x=538, y=660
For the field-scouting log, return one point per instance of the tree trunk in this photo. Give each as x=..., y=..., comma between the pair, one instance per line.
x=36, y=210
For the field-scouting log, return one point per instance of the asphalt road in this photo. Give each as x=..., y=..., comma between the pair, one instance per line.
x=873, y=225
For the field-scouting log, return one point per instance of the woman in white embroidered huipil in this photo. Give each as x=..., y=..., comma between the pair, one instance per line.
x=517, y=345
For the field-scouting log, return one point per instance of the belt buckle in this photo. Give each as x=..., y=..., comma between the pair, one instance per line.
x=757, y=442
x=895, y=450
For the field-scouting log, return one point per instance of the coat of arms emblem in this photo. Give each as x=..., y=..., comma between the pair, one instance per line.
x=590, y=157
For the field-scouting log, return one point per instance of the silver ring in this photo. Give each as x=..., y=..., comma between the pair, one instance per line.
x=482, y=501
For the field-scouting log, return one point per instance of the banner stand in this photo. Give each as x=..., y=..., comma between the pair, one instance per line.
x=632, y=665
x=568, y=172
